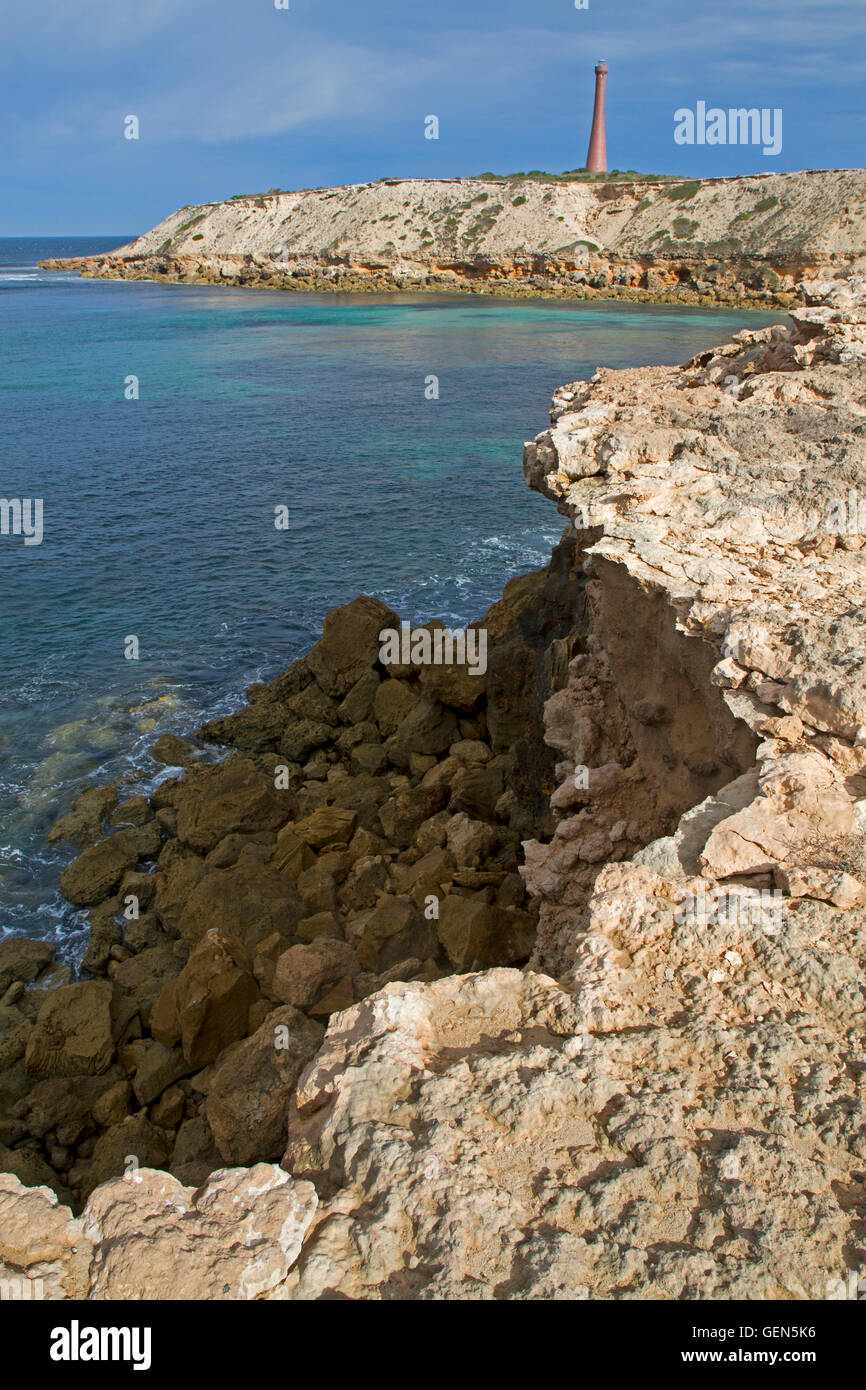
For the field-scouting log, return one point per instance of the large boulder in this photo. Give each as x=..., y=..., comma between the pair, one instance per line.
x=251, y=1083
x=477, y=936
x=155, y=1067
x=255, y=728
x=349, y=645
x=95, y=874
x=211, y=802
x=83, y=824
x=141, y=978
x=428, y=728
x=329, y=825
x=174, y=883
x=304, y=973
x=207, y=1007
x=248, y=901
x=302, y=736
x=123, y=1149
x=460, y=685
x=358, y=704
x=21, y=959
x=291, y=855
x=15, y=1029
x=402, y=816
x=476, y=791
x=393, y=701
x=392, y=931
x=236, y=1238
x=74, y=1032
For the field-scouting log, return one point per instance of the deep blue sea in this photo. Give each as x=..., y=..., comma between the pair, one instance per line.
x=159, y=511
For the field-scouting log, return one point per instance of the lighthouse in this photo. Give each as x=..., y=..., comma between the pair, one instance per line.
x=596, y=158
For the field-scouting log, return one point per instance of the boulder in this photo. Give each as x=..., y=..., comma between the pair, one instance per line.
x=358, y=704
x=249, y=901
x=105, y=932
x=232, y=847
x=124, y=1149
x=236, y=1238
x=172, y=751
x=83, y=824
x=112, y=1105
x=402, y=816
x=427, y=728
x=96, y=873
x=212, y=802
x=469, y=841
x=329, y=825
x=141, y=978
x=291, y=855
x=22, y=959
x=349, y=645
x=252, y=1082
x=73, y=1033
x=393, y=701
x=471, y=752
x=135, y=811
x=194, y=1156
x=31, y=1170
x=426, y=877
x=174, y=884
x=390, y=932
x=368, y=757
x=477, y=936
x=156, y=1067
x=318, y=890
x=320, y=924
x=66, y=1106
x=305, y=973
x=15, y=1030
x=313, y=703
x=365, y=883
x=461, y=686
x=206, y=1008
x=255, y=728
x=476, y=791
x=299, y=737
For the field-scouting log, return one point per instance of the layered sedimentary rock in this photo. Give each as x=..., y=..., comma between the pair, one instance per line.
x=736, y=240
x=668, y=1101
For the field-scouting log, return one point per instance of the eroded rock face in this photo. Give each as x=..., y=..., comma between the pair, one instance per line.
x=749, y=239
x=659, y=1127
x=148, y=1236
x=707, y=500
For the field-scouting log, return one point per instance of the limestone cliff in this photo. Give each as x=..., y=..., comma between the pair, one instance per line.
x=668, y=1102
x=748, y=239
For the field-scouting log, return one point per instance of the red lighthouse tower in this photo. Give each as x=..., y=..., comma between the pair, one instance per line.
x=596, y=159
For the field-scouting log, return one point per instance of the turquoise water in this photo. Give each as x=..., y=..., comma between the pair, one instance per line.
x=159, y=512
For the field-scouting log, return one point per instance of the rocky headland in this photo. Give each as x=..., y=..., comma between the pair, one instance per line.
x=748, y=240
x=541, y=984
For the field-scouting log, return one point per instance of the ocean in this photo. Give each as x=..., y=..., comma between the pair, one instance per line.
x=165, y=429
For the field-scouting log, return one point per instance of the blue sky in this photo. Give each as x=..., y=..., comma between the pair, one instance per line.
x=235, y=96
